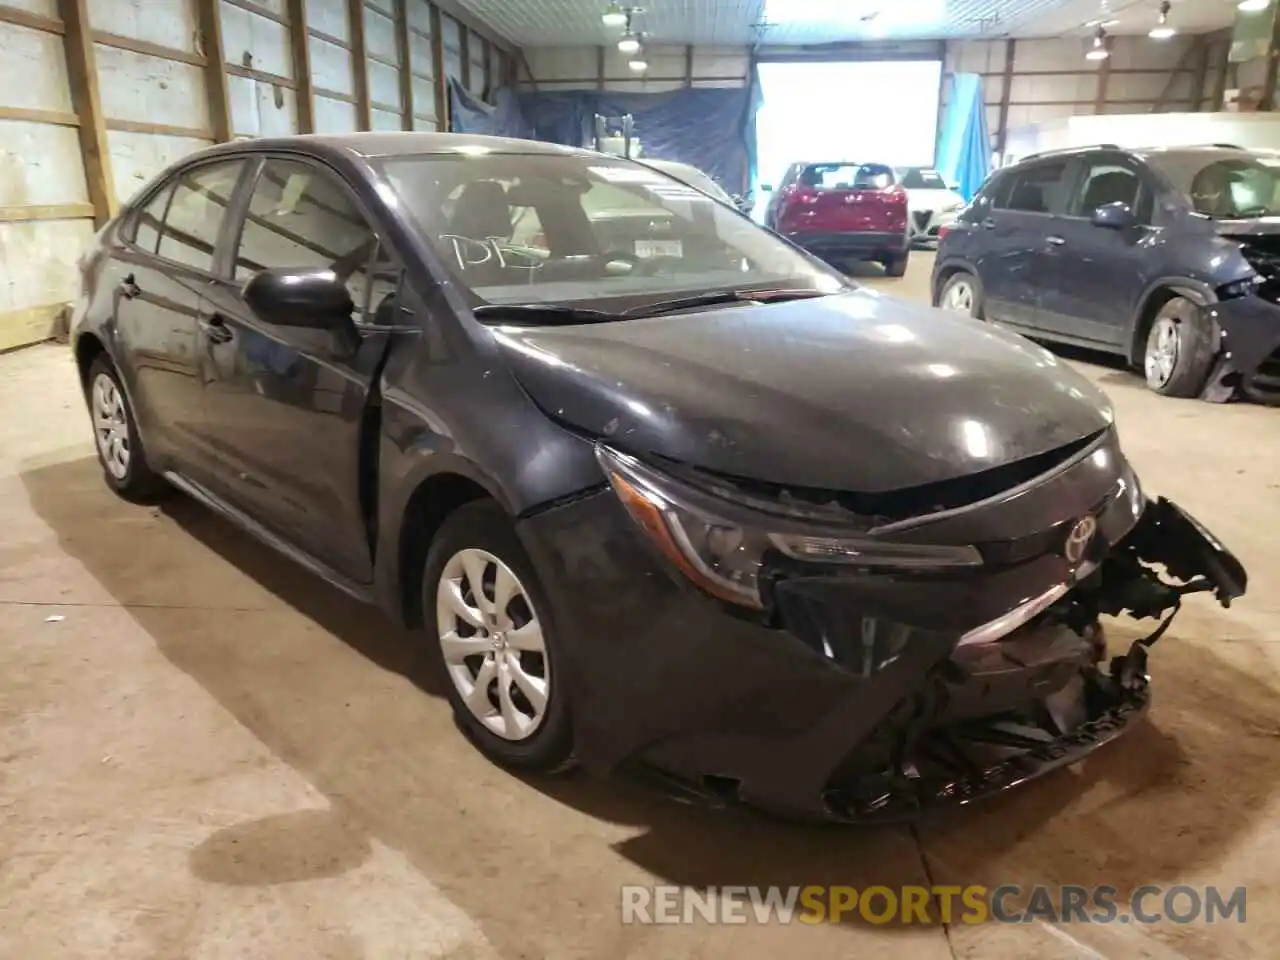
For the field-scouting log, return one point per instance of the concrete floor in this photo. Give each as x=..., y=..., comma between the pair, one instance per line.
x=205, y=753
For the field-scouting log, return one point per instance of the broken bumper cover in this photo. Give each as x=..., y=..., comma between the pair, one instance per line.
x=859, y=702
x=1249, y=361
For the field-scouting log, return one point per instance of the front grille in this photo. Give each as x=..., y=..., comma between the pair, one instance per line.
x=922, y=218
x=1267, y=378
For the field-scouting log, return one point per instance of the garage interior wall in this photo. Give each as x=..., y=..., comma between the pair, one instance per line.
x=98, y=96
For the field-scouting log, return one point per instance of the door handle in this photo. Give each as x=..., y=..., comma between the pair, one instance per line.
x=128, y=287
x=989, y=223
x=1056, y=241
x=216, y=329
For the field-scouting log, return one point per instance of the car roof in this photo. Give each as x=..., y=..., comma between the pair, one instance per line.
x=1208, y=151
x=398, y=144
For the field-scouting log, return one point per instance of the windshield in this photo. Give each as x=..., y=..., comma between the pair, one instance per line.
x=915, y=178
x=693, y=177
x=1231, y=188
x=591, y=232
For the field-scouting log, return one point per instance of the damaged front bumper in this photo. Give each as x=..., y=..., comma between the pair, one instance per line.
x=1249, y=357
x=866, y=697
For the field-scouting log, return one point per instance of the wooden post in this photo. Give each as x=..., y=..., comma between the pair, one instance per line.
x=1104, y=79
x=600, y=55
x=1006, y=96
x=486, y=54
x=464, y=45
x=688, y=65
x=1201, y=73
x=300, y=46
x=406, y=63
x=215, y=77
x=442, y=82
x=1220, y=77
x=1268, y=101
x=359, y=65
x=82, y=72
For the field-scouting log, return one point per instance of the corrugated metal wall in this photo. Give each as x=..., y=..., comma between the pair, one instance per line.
x=71, y=149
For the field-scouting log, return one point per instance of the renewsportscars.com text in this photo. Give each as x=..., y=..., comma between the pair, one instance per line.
x=971, y=904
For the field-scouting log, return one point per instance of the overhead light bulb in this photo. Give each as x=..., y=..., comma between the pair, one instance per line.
x=614, y=16
x=1162, y=30
x=1099, y=49
x=629, y=45
x=1253, y=6
x=638, y=64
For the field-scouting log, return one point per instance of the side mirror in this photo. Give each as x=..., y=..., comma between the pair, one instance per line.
x=313, y=298
x=1114, y=216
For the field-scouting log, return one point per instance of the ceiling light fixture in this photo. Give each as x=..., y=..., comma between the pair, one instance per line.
x=1163, y=30
x=615, y=15
x=638, y=63
x=1253, y=6
x=629, y=45
x=1099, y=49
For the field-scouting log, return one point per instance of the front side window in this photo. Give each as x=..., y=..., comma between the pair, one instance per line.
x=1034, y=189
x=584, y=231
x=195, y=214
x=1106, y=183
x=302, y=217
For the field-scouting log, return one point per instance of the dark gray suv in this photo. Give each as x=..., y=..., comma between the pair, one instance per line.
x=1169, y=257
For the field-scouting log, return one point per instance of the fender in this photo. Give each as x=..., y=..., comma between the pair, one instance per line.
x=952, y=263
x=1197, y=291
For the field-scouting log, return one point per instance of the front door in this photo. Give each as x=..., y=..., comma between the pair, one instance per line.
x=285, y=406
x=162, y=270
x=1092, y=276
x=1013, y=232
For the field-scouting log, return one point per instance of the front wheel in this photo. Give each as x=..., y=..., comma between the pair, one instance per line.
x=1179, y=351
x=962, y=293
x=489, y=623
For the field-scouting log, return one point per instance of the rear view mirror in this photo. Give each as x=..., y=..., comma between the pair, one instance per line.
x=299, y=297
x=1114, y=216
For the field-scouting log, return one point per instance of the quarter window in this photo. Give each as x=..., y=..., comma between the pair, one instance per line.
x=150, y=220
x=200, y=200
x=1034, y=189
x=301, y=217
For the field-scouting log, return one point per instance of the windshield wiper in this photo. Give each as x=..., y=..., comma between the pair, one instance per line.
x=543, y=313
x=715, y=298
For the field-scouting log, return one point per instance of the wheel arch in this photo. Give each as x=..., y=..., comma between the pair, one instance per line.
x=945, y=272
x=1154, y=298
x=88, y=347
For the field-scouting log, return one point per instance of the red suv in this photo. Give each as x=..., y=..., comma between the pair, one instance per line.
x=842, y=212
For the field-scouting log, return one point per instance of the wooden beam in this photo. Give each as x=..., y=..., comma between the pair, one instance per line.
x=1268, y=101
x=260, y=10
x=82, y=75
x=437, y=61
x=464, y=49
x=1220, y=77
x=1204, y=48
x=33, y=21
x=22, y=328
x=359, y=64
x=600, y=55
x=147, y=48
x=458, y=11
x=486, y=56
x=688, y=65
x=48, y=211
x=1104, y=80
x=56, y=117
x=328, y=38
x=334, y=95
x=274, y=78
x=1006, y=95
x=300, y=48
x=1183, y=66
x=209, y=23
x=162, y=129
x=404, y=47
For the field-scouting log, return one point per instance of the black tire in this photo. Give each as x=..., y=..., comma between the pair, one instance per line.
x=895, y=265
x=1183, y=372
x=484, y=525
x=138, y=483
x=976, y=296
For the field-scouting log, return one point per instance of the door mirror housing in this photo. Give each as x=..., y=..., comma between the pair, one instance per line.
x=308, y=297
x=1114, y=216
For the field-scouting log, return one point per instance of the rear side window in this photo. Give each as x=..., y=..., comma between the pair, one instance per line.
x=847, y=176
x=1036, y=188
x=200, y=200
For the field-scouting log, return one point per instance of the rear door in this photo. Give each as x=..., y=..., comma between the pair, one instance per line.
x=1092, y=277
x=164, y=265
x=1012, y=235
x=285, y=407
x=845, y=198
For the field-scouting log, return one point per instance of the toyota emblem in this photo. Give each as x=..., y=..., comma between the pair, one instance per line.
x=1079, y=538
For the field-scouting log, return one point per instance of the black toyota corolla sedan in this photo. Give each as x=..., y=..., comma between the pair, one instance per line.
x=663, y=493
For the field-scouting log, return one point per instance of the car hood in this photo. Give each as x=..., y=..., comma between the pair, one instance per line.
x=857, y=392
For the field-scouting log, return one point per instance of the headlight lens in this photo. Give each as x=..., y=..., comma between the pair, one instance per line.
x=722, y=547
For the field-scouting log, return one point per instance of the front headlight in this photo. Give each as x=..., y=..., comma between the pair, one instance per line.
x=723, y=547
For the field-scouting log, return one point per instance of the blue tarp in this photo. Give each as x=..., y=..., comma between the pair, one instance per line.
x=470, y=114
x=964, y=146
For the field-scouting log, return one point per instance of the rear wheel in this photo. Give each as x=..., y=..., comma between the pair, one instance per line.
x=115, y=433
x=895, y=265
x=1179, y=349
x=962, y=293
x=492, y=632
